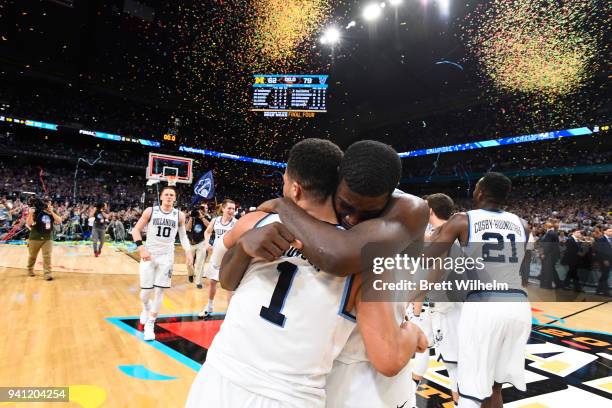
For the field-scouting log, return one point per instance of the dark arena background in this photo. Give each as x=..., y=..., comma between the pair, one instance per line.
x=108, y=101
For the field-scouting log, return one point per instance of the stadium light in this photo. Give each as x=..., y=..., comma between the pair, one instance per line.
x=444, y=7
x=331, y=36
x=395, y=2
x=371, y=12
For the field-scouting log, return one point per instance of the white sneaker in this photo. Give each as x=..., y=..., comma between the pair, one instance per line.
x=149, y=334
x=205, y=312
x=144, y=316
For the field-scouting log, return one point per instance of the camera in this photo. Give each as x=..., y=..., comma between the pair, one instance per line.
x=39, y=204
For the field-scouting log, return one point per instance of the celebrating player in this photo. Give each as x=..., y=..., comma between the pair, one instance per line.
x=157, y=254
x=304, y=313
x=494, y=325
x=220, y=225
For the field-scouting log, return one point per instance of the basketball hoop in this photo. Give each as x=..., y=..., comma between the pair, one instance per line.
x=172, y=180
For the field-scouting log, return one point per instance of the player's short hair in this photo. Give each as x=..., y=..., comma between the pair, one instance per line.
x=495, y=187
x=227, y=201
x=441, y=204
x=313, y=163
x=168, y=188
x=371, y=168
x=99, y=205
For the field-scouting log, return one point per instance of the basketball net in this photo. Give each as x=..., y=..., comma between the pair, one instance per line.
x=172, y=180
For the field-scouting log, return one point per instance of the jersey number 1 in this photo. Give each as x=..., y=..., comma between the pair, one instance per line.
x=272, y=313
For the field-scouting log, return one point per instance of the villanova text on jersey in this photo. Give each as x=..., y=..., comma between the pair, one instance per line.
x=164, y=222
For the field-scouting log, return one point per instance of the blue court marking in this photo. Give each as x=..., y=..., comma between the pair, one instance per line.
x=541, y=334
x=558, y=319
x=195, y=366
x=143, y=373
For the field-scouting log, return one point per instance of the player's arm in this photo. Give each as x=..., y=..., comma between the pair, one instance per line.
x=232, y=258
x=389, y=346
x=208, y=232
x=137, y=233
x=189, y=225
x=182, y=233
x=338, y=251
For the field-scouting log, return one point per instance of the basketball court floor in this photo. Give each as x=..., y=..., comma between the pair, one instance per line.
x=81, y=330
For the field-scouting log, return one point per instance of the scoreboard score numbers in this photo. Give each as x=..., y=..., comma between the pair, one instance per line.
x=289, y=95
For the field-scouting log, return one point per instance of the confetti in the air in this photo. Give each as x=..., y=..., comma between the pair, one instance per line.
x=283, y=25
x=534, y=47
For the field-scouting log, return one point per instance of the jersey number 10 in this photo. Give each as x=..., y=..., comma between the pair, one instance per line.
x=163, y=232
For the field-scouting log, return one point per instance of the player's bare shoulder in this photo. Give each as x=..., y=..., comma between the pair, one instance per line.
x=408, y=208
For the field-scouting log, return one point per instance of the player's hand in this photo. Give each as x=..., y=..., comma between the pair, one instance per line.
x=144, y=254
x=270, y=206
x=188, y=258
x=268, y=242
x=422, y=341
x=208, y=247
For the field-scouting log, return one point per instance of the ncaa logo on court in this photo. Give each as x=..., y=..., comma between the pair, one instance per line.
x=203, y=187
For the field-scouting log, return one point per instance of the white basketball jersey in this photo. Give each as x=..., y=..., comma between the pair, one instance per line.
x=284, y=327
x=162, y=230
x=498, y=237
x=221, y=228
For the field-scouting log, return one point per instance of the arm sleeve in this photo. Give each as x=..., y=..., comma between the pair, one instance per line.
x=183, y=238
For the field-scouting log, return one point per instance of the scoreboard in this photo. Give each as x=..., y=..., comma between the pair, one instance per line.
x=289, y=95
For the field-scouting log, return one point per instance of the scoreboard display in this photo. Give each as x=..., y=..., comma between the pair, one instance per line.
x=289, y=95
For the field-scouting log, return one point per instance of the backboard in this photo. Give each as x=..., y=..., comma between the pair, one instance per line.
x=162, y=165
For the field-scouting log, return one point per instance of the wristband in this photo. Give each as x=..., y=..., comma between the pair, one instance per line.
x=138, y=243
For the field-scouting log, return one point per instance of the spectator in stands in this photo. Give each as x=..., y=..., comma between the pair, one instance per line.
x=603, y=255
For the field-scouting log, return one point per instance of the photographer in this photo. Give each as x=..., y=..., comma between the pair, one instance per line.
x=196, y=226
x=40, y=222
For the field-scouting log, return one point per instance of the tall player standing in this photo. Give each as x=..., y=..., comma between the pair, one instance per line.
x=220, y=225
x=163, y=222
x=494, y=326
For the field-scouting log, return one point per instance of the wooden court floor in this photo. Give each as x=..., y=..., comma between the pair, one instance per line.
x=57, y=334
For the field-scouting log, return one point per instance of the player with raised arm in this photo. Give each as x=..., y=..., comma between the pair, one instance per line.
x=163, y=223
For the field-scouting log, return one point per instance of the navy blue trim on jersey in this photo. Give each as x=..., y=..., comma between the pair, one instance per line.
x=260, y=221
x=221, y=221
x=492, y=210
x=161, y=211
x=348, y=286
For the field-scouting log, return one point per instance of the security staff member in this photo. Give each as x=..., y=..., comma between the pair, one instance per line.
x=40, y=222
